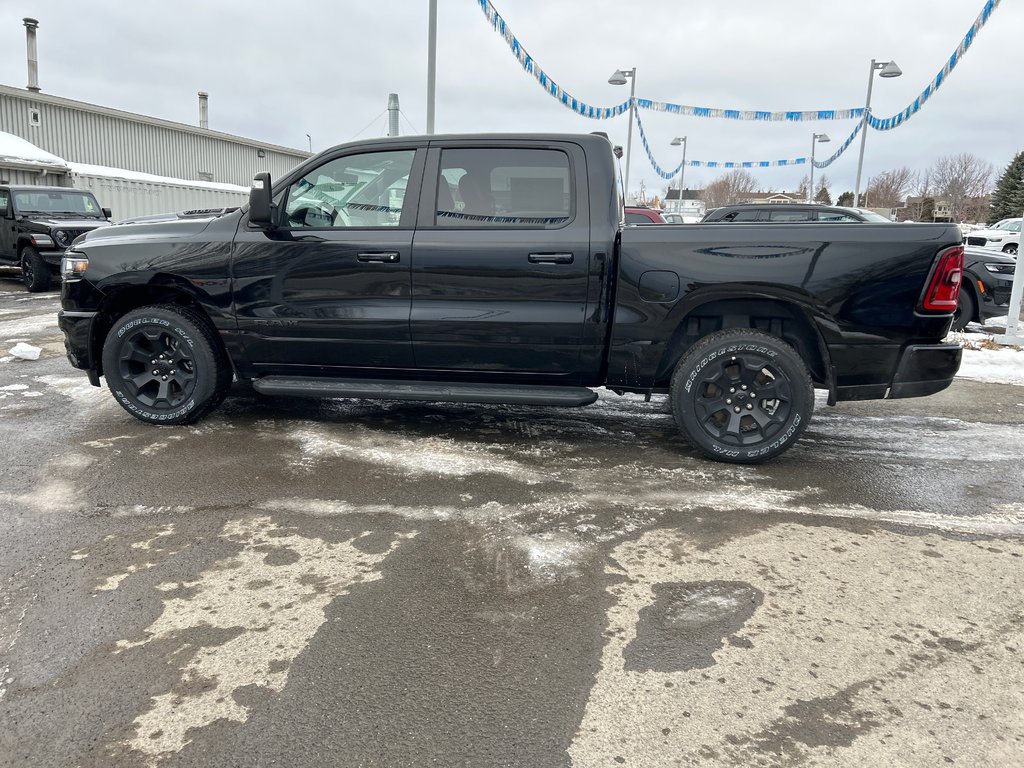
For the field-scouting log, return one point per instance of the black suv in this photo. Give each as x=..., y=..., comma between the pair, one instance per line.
x=792, y=213
x=37, y=224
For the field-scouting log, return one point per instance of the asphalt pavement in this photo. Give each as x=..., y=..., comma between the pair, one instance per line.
x=356, y=583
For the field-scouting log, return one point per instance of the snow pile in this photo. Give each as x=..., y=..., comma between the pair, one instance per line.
x=14, y=149
x=84, y=169
x=986, y=360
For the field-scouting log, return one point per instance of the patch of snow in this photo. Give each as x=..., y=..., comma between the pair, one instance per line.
x=16, y=149
x=84, y=169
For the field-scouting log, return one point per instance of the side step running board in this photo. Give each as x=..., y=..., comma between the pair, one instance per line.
x=428, y=391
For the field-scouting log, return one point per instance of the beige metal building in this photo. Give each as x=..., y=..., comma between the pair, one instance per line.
x=88, y=133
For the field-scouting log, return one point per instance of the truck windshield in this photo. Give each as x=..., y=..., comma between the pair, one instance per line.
x=73, y=202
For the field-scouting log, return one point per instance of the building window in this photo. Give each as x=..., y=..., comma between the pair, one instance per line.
x=35, y=118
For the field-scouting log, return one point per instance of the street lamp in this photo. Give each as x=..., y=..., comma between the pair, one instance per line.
x=818, y=137
x=887, y=69
x=682, y=168
x=619, y=78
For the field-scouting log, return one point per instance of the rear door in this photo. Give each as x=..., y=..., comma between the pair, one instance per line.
x=330, y=287
x=501, y=259
x=7, y=226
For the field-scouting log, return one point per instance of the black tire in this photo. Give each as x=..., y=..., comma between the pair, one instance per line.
x=1010, y=249
x=965, y=309
x=165, y=365
x=34, y=271
x=711, y=396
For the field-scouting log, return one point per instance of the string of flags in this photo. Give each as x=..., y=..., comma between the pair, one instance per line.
x=864, y=117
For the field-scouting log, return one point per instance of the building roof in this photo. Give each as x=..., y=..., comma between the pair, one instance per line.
x=45, y=98
x=687, y=194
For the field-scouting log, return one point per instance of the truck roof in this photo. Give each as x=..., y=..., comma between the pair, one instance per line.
x=583, y=138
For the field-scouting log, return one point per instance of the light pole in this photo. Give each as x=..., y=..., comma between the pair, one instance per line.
x=822, y=137
x=619, y=78
x=888, y=69
x=431, y=62
x=682, y=168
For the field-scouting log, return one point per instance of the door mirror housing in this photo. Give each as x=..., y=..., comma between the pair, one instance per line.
x=107, y=214
x=261, y=208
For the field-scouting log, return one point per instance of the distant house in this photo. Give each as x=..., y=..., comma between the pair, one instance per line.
x=774, y=197
x=974, y=209
x=688, y=202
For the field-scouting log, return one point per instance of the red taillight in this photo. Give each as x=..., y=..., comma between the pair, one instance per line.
x=944, y=289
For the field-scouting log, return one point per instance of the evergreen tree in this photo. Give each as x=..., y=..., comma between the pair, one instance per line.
x=1008, y=200
x=845, y=199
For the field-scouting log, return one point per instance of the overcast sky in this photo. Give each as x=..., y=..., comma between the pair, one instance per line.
x=277, y=71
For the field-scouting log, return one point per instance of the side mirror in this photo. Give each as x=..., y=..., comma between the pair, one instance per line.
x=106, y=213
x=261, y=212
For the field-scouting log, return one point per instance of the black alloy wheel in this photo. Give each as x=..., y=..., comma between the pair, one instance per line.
x=34, y=271
x=165, y=365
x=742, y=396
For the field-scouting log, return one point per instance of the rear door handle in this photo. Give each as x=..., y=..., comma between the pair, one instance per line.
x=551, y=258
x=383, y=257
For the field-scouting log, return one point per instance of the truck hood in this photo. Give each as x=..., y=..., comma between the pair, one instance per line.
x=69, y=223
x=156, y=230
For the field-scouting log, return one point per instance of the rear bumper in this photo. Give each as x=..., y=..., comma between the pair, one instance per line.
x=925, y=369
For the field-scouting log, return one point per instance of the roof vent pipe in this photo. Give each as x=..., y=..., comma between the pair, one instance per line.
x=33, y=57
x=393, y=114
x=204, y=109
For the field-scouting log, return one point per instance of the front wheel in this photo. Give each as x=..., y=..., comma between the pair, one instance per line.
x=741, y=396
x=34, y=271
x=1010, y=249
x=164, y=365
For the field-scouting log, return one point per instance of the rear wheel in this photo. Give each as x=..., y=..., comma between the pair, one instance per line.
x=165, y=365
x=742, y=396
x=965, y=308
x=34, y=271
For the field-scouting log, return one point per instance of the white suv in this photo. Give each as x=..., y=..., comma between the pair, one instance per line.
x=1002, y=236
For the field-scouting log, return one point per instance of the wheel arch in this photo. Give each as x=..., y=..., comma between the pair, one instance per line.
x=118, y=301
x=786, y=317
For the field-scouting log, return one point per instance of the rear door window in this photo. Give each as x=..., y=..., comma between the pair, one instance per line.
x=504, y=188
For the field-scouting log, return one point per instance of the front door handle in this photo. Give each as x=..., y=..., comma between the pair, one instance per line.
x=551, y=258
x=383, y=257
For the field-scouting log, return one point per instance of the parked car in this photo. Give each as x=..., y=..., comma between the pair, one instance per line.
x=987, y=282
x=791, y=213
x=38, y=223
x=1003, y=236
x=490, y=270
x=672, y=218
x=641, y=215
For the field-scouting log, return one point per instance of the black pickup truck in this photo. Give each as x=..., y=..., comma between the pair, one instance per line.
x=496, y=269
x=38, y=223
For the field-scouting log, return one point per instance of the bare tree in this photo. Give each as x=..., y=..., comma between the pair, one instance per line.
x=889, y=188
x=821, y=194
x=963, y=181
x=921, y=201
x=729, y=188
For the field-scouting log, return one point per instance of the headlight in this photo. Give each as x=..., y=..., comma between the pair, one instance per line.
x=73, y=265
x=999, y=269
x=995, y=239
x=61, y=238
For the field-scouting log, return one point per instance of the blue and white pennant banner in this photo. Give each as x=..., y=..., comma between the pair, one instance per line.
x=842, y=148
x=530, y=65
x=888, y=123
x=727, y=164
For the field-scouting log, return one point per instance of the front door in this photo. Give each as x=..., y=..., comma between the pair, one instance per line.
x=501, y=260
x=329, y=288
